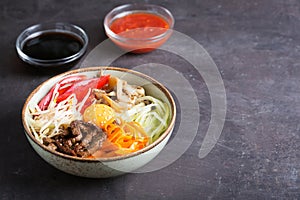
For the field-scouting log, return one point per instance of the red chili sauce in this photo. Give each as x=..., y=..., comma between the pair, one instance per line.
x=140, y=26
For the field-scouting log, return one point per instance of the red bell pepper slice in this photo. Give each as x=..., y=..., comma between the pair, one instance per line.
x=81, y=88
x=66, y=83
x=72, y=79
x=63, y=85
x=44, y=103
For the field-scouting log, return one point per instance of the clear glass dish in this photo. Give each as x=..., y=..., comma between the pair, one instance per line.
x=32, y=34
x=139, y=44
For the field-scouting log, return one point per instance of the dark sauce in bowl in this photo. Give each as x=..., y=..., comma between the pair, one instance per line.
x=52, y=46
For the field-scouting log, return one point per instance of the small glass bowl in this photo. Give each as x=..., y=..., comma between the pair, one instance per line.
x=139, y=44
x=52, y=28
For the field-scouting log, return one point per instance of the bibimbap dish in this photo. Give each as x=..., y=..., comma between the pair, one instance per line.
x=92, y=121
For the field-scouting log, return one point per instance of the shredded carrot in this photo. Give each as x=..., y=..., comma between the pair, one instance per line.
x=128, y=136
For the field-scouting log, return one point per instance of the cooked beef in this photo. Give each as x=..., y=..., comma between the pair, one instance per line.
x=63, y=147
x=64, y=132
x=81, y=139
x=47, y=141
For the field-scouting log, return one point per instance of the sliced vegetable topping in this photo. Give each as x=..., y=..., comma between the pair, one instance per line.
x=128, y=136
x=81, y=88
x=62, y=86
x=152, y=114
x=129, y=119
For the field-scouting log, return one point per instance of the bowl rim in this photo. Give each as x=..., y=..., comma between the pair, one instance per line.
x=108, y=159
x=110, y=33
x=52, y=27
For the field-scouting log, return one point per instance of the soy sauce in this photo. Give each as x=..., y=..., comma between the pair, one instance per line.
x=52, y=46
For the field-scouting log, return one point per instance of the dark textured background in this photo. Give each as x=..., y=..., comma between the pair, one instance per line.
x=256, y=46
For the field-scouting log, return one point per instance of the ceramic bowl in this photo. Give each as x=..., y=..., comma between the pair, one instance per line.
x=104, y=167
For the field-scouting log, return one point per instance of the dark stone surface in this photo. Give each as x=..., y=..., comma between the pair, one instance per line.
x=256, y=46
